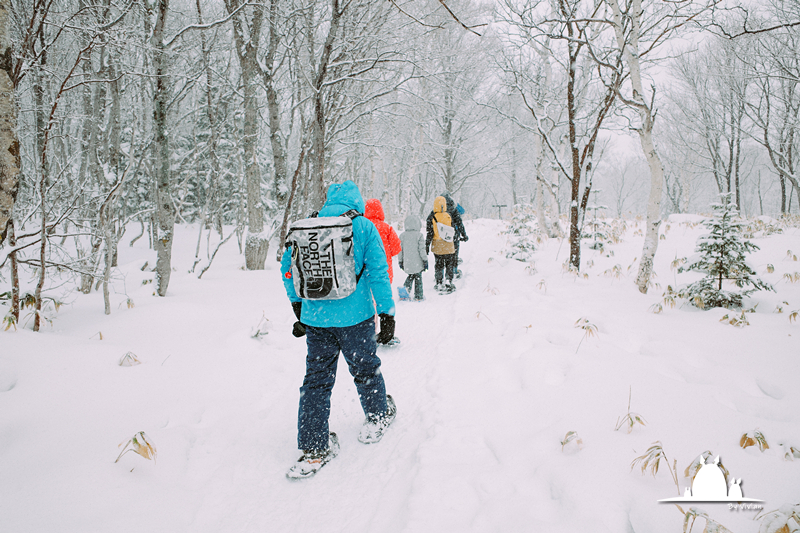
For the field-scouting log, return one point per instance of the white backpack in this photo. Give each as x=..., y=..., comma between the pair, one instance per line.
x=323, y=263
x=446, y=233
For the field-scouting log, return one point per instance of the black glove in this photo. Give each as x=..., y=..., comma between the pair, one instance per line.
x=401, y=265
x=387, y=329
x=298, y=329
x=464, y=238
x=425, y=265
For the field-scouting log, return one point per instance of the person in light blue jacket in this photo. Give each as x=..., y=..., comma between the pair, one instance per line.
x=413, y=258
x=346, y=325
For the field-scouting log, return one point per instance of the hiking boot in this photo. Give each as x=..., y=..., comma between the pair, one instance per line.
x=375, y=425
x=312, y=460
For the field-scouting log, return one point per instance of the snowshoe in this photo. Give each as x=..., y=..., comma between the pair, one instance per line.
x=402, y=293
x=311, y=461
x=446, y=288
x=375, y=426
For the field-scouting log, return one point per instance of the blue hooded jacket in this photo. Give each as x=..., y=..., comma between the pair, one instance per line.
x=368, y=252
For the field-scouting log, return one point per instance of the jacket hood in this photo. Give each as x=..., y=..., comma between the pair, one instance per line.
x=439, y=205
x=451, y=204
x=342, y=197
x=374, y=210
x=412, y=223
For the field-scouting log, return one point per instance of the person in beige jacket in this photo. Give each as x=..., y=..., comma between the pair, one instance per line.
x=440, y=240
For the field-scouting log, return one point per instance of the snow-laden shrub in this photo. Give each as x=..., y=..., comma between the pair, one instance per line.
x=785, y=519
x=761, y=227
x=523, y=233
x=599, y=232
x=721, y=256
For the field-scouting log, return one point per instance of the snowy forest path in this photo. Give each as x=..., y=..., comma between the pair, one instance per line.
x=488, y=382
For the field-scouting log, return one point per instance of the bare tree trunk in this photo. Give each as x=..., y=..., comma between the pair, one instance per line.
x=108, y=237
x=514, y=177
x=738, y=148
x=373, y=175
x=114, y=151
x=447, y=137
x=408, y=179
x=211, y=189
x=43, y=245
x=9, y=144
x=165, y=210
x=42, y=134
x=653, y=206
x=290, y=201
x=276, y=138
x=106, y=225
x=88, y=127
x=12, y=241
x=631, y=55
x=256, y=244
x=686, y=190
x=574, y=217
x=317, y=192
x=96, y=105
x=544, y=192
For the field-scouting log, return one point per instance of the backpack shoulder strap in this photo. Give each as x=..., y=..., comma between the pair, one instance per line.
x=353, y=214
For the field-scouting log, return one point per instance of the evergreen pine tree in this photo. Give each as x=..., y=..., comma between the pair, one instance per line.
x=722, y=259
x=522, y=233
x=597, y=230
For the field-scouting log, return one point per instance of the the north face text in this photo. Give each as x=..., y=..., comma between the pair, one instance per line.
x=316, y=263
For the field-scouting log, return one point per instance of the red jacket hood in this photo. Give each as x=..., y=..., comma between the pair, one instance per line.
x=373, y=210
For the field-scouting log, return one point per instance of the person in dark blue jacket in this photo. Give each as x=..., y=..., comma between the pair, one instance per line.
x=346, y=325
x=455, y=210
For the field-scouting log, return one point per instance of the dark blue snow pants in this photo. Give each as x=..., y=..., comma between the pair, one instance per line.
x=357, y=344
x=444, y=266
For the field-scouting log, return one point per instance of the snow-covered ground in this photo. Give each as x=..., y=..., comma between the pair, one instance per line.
x=488, y=382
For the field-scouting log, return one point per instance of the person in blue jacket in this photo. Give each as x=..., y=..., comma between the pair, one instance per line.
x=346, y=325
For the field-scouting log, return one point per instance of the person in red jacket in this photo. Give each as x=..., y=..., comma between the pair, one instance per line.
x=391, y=242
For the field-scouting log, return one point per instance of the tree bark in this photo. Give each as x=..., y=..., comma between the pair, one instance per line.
x=9, y=144
x=12, y=240
x=209, y=207
x=574, y=218
x=106, y=226
x=256, y=244
x=276, y=137
x=317, y=192
x=42, y=135
x=630, y=50
x=448, y=114
x=544, y=192
x=165, y=210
